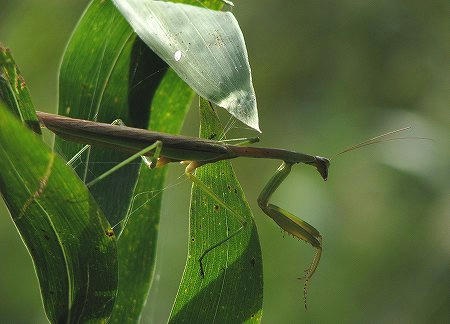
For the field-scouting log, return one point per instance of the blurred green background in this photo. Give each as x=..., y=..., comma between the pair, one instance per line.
x=327, y=74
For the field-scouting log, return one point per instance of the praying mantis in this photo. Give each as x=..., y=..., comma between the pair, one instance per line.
x=162, y=148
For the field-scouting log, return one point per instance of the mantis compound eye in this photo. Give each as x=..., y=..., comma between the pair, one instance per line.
x=322, y=164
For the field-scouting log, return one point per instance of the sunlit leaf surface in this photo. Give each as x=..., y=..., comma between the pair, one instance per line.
x=205, y=47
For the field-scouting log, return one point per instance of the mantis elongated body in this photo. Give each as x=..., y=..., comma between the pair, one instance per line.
x=195, y=152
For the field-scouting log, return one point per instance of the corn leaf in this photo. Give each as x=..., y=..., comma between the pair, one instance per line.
x=108, y=73
x=71, y=242
x=232, y=289
x=137, y=244
x=14, y=91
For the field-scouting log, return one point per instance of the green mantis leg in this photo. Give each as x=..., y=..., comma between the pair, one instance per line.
x=238, y=217
x=290, y=223
x=157, y=146
x=76, y=156
x=151, y=163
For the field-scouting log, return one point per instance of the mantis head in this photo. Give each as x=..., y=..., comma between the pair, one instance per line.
x=322, y=164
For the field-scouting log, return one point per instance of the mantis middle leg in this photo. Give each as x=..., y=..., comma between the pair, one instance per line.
x=149, y=162
x=157, y=146
x=289, y=222
x=84, y=148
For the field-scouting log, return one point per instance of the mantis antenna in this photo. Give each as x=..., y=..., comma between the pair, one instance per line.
x=380, y=139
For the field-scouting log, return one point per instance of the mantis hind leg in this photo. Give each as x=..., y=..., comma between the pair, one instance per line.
x=289, y=222
x=209, y=192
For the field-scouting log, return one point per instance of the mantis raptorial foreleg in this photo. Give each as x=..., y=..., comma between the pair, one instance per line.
x=290, y=223
x=209, y=192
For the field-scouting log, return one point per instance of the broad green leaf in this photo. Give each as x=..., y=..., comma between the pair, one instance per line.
x=232, y=290
x=102, y=64
x=137, y=244
x=168, y=109
x=94, y=81
x=107, y=73
x=71, y=243
x=14, y=91
x=205, y=47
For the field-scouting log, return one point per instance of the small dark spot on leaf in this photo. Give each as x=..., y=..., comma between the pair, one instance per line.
x=212, y=136
x=235, y=190
x=192, y=239
x=253, y=263
x=229, y=187
x=46, y=237
x=109, y=232
x=216, y=207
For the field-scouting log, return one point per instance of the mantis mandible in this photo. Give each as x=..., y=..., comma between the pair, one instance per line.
x=165, y=148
